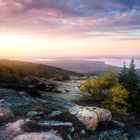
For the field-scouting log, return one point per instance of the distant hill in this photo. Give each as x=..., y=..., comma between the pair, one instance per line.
x=88, y=67
x=14, y=71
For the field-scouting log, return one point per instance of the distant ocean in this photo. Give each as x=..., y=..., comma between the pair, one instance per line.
x=116, y=61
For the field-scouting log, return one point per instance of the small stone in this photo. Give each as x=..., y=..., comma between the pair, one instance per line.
x=83, y=132
x=33, y=113
x=69, y=137
x=1, y=101
x=6, y=115
x=76, y=136
x=22, y=93
x=56, y=113
x=72, y=130
x=119, y=124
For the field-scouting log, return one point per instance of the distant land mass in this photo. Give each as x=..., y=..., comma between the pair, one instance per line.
x=95, y=66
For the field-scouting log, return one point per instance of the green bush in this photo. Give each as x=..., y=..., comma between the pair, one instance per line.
x=116, y=99
x=107, y=90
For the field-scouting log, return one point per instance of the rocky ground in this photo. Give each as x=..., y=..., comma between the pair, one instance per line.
x=68, y=90
x=55, y=116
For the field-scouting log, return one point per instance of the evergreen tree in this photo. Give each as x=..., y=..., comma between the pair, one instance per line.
x=133, y=88
x=123, y=76
x=133, y=79
x=129, y=79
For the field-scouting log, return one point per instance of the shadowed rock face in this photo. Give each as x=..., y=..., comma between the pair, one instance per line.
x=10, y=130
x=38, y=136
x=91, y=116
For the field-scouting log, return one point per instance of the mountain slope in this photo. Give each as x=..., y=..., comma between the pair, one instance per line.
x=13, y=71
x=86, y=67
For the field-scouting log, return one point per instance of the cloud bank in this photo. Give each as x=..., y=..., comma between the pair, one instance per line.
x=83, y=18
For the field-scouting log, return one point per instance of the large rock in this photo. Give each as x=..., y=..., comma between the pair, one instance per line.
x=11, y=130
x=48, y=85
x=6, y=115
x=38, y=136
x=91, y=116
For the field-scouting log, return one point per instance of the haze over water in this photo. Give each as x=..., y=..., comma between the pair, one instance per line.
x=116, y=61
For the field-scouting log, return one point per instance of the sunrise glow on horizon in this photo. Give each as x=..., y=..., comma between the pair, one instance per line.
x=33, y=29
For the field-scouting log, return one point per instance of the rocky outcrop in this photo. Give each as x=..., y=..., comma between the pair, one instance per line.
x=52, y=113
x=91, y=116
x=71, y=87
x=65, y=117
x=10, y=130
x=38, y=136
x=16, y=102
x=44, y=85
x=6, y=115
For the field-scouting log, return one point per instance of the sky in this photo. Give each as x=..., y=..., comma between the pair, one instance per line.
x=59, y=28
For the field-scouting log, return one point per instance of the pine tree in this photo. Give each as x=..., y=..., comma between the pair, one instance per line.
x=129, y=79
x=133, y=87
x=123, y=76
x=132, y=77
